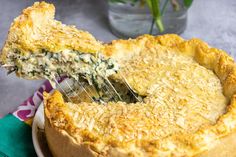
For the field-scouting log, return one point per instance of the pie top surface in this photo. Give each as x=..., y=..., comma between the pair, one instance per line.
x=188, y=89
x=189, y=103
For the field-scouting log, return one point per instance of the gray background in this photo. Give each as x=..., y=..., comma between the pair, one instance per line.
x=211, y=20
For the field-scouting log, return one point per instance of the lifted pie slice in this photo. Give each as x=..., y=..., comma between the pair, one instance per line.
x=38, y=46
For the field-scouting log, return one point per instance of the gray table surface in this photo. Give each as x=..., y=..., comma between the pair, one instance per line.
x=211, y=20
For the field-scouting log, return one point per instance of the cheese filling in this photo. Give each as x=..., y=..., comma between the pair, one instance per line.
x=94, y=68
x=90, y=71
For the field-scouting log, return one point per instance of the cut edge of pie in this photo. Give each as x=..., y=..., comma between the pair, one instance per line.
x=35, y=34
x=60, y=128
x=40, y=47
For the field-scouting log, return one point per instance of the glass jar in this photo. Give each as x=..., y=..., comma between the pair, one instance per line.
x=129, y=19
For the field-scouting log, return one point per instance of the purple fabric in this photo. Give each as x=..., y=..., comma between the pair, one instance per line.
x=28, y=108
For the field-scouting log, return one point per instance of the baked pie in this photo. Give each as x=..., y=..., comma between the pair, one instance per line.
x=188, y=105
x=40, y=47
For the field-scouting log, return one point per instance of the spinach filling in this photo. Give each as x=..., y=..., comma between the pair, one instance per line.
x=86, y=69
x=94, y=68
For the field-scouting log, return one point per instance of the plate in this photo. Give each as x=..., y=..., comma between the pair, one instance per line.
x=38, y=134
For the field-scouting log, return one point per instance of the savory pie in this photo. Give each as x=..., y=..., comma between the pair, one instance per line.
x=188, y=105
x=40, y=47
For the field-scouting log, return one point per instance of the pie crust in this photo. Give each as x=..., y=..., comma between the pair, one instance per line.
x=188, y=87
x=62, y=122
x=36, y=30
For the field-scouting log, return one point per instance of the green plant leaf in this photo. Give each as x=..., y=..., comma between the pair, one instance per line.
x=188, y=3
x=154, y=6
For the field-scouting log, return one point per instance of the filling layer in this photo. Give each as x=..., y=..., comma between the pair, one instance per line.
x=83, y=67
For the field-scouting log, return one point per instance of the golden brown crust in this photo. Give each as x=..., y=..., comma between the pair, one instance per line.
x=56, y=109
x=36, y=30
x=224, y=147
x=187, y=144
x=179, y=144
x=70, y=146
x=214, y=59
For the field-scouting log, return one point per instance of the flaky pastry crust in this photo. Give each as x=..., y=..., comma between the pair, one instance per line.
x=179, y=144
x=36, y=30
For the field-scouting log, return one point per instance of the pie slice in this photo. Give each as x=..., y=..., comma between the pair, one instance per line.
x=38, y=46
x=188, y=106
